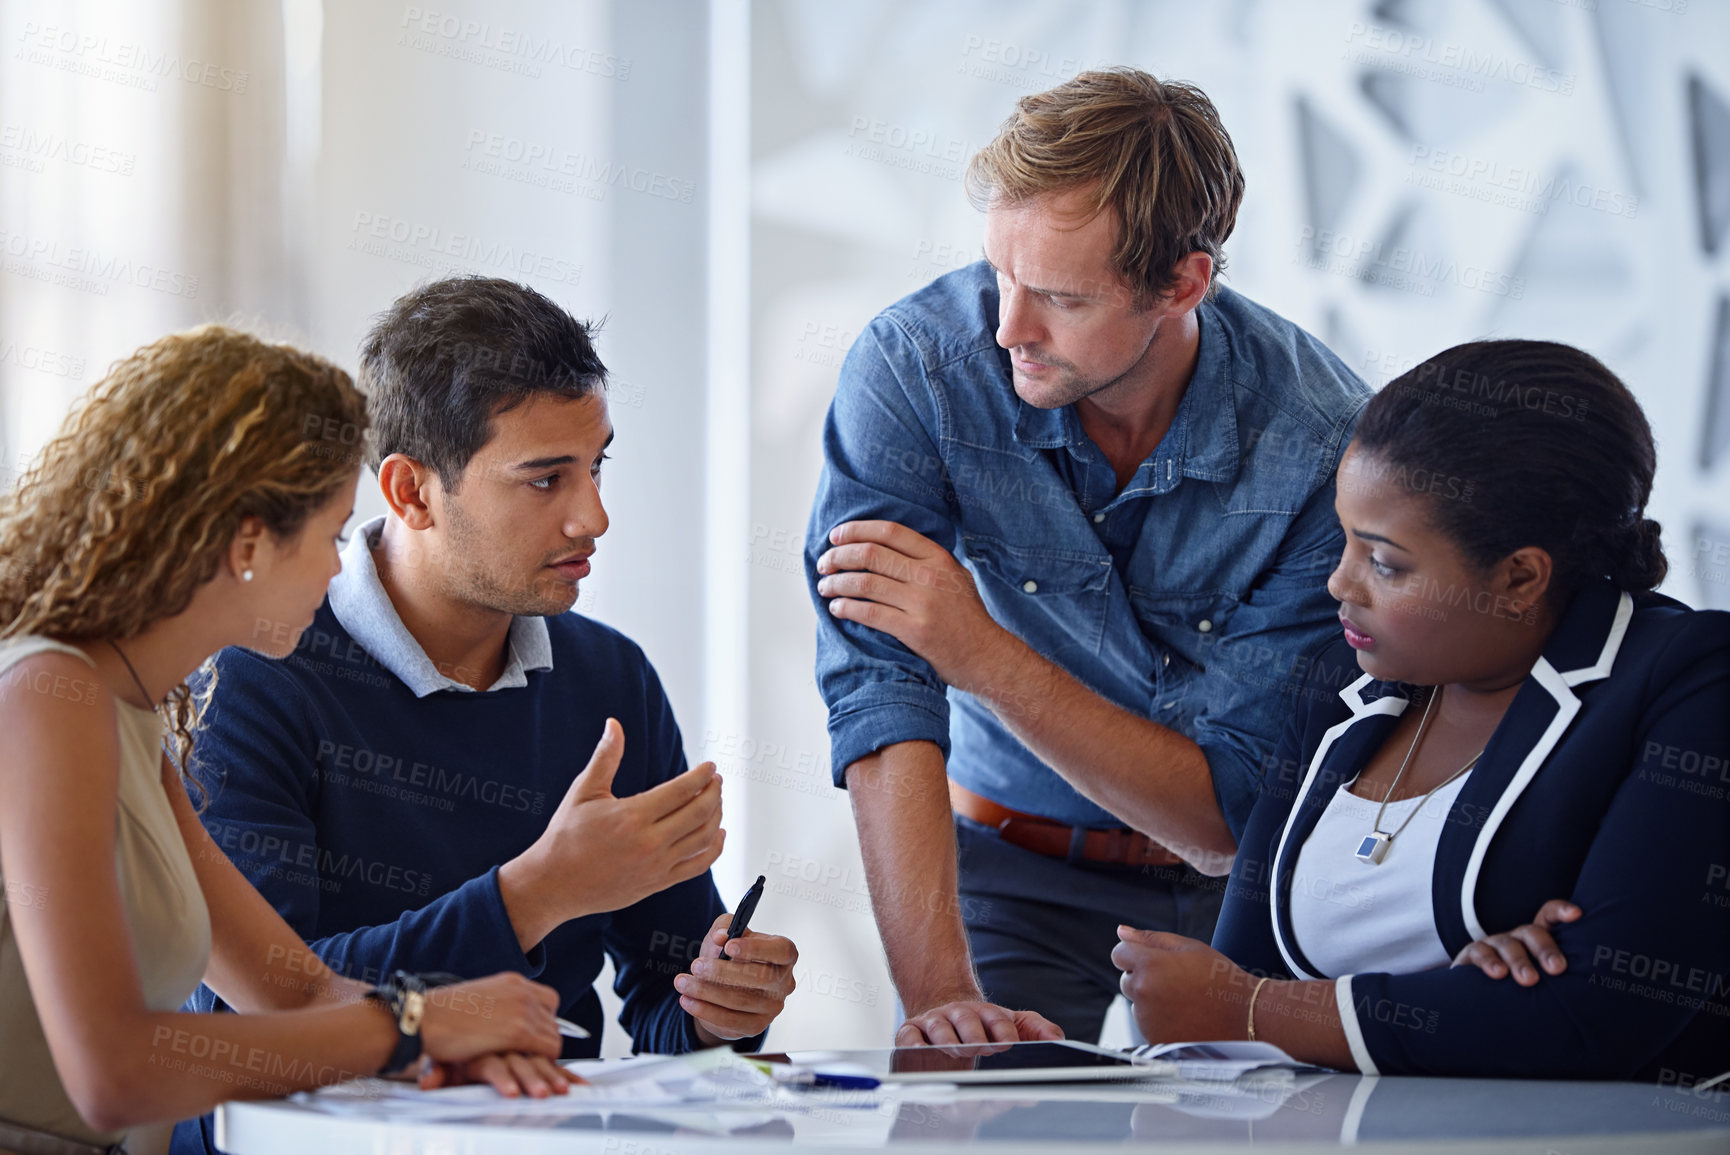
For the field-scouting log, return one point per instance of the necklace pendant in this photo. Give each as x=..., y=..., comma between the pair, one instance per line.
x=1374, y=848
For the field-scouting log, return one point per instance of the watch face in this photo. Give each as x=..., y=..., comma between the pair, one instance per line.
x=413, y=1007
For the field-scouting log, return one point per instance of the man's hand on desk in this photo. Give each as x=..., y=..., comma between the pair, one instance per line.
x=736, y=992
x=886, y=576
x=974, y=1021
x=602, y=853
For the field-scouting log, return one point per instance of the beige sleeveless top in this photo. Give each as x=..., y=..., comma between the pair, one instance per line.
x=164, y=908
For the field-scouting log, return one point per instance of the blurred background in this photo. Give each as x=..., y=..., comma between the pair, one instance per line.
x=734, y=188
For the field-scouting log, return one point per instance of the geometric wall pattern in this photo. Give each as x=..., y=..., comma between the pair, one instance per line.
x=1709, y=124
x=1418, y=173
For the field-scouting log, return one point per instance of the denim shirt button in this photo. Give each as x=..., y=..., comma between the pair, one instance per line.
x=1167, y=661
x=1030, y=586
x=1204, y=625
x=1098, y=517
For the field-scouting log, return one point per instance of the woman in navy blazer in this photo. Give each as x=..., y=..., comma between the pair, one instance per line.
x=1498, y=569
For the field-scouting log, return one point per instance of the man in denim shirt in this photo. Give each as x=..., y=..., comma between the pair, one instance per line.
x=1134, y=467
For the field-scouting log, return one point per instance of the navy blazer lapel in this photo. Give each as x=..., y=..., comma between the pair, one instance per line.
x=1344, y=749
x=1582, y=649
x=1523, y=730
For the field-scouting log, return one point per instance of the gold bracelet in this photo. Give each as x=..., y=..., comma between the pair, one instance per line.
x=1252, y=998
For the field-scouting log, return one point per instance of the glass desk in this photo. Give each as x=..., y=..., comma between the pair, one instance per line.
x=1265, y=1110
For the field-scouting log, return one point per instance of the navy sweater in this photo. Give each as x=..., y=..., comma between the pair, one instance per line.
x=375, y=821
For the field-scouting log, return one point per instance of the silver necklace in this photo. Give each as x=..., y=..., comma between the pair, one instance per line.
x=1376, y=843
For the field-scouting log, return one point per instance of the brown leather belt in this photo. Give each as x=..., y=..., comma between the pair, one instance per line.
x=1122, y=846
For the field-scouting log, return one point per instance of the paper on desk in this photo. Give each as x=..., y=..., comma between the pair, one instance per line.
x=1219, y=1061
x=715, y=1080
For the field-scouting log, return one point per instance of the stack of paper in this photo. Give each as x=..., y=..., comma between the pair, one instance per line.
x=1219, y=1062
x=712, y=1091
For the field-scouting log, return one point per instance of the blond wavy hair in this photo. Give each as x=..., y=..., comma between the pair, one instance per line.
x=131, y=507
x=1154, y=153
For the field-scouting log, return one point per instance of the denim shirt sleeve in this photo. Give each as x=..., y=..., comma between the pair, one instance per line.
x=1244, y=931
x=880, y=461
x=1262, y=654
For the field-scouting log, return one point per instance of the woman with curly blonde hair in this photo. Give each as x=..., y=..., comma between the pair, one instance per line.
x=193, y=501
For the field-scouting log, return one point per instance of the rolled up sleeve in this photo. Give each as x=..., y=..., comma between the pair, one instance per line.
x=880, y=462
x=1260, y=662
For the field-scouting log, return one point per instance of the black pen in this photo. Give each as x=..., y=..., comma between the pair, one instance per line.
x=742, y=916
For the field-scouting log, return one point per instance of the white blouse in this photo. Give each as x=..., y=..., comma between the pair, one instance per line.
x=1351, y=917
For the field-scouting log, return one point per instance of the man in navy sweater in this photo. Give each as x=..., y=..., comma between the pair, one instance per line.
x=405, y=787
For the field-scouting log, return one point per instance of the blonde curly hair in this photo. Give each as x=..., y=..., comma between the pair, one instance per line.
x=130, y=509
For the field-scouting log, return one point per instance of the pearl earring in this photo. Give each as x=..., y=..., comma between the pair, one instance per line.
x=245, y=575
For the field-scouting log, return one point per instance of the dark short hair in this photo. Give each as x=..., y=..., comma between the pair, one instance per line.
x=448, y=356
x=1525, y=443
